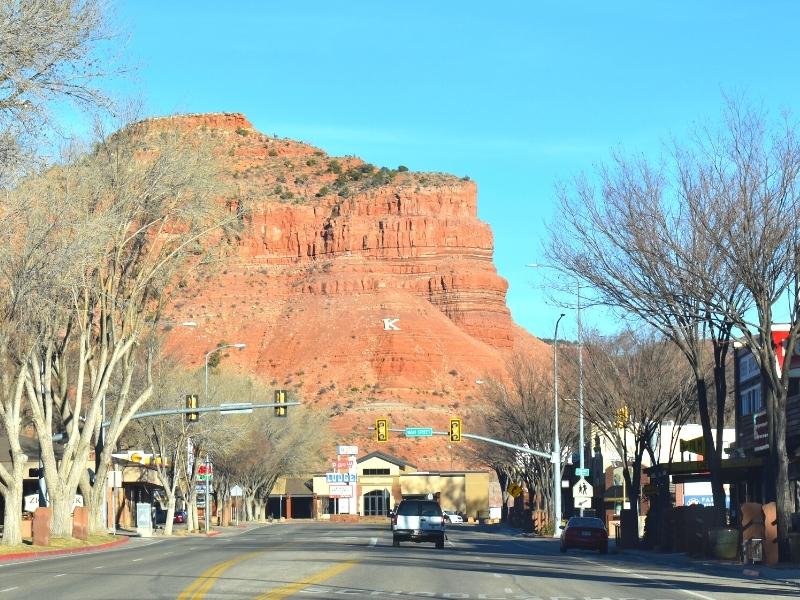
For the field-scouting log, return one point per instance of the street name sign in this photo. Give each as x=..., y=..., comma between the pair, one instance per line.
x=582, y=489
x=419, y=431
x=581, y=472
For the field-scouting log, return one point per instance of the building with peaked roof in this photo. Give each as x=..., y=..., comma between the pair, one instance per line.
x=383, y=480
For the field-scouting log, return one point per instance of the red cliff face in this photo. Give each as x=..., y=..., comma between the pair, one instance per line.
x=364, y=292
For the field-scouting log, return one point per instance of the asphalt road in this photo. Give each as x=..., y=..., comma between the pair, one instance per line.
x=318, y=560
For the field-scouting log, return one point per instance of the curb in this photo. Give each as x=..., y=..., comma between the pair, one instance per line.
x=63, y=551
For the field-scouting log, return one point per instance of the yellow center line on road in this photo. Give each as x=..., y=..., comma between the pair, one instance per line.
x=289, y=589
x=208, y=578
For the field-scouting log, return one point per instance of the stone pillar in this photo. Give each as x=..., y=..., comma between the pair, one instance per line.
x=80, y=523
x=42, y=520
x=288, y=507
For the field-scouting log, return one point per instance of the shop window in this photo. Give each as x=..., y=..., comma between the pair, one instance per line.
x=751, y=400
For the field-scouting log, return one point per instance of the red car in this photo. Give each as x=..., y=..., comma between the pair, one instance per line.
x=180, y=516
x=588, y=533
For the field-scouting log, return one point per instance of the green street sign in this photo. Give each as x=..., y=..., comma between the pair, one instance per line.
x=419, y=431
x=581, y=472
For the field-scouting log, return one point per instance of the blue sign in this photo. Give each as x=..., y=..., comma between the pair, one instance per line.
x=703, y=500
x=341, y=478
x=419, y=431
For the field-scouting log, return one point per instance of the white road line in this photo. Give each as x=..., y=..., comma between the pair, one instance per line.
x=59, y=575
x=136, y=560
x=508, y=590
x=497, y=575
x=373, y=541
x=79, y=555
x=640, y=576
x=11, y=589
x=167, y=553
x=100, y=567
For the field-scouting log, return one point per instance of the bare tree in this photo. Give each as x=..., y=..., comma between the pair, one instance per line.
x=633, y=384
x=521, y=412
x=137, y=206
x=746, y=200
x=50, y=52
x=632, y=242
x=275, y=447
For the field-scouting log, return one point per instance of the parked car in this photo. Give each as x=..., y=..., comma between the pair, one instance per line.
x=418, y=521
x=179, y=517
x=451, y=516
x=588, y=533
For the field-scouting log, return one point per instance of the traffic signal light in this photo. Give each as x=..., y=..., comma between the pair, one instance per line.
x=280, y=398
x=191, y=402
x=621, y=417
x=455, y=430
x=382, y=430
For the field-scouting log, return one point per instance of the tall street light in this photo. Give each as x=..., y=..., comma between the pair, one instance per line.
x=581, y=442
x=556, y=442
x=217, y=349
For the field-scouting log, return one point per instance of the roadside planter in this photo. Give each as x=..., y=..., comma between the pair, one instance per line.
x=724, y=542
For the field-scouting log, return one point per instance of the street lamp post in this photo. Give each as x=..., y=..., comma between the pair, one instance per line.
x=581, y=441
x=217, y=349
x=556, y=441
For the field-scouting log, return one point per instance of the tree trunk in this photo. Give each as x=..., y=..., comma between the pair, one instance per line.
x=713, y=456
x=170, y=513
x=95, y=500
x=61, y=505
x=783, y=497
x=12, y=520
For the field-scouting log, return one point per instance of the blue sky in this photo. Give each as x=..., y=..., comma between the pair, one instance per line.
x=518, y=95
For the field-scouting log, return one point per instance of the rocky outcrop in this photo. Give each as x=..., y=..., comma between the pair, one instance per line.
x=365, y=291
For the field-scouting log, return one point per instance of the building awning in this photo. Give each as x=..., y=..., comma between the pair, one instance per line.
x=733, y=469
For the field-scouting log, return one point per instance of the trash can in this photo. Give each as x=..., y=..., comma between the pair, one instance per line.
x=753, y=550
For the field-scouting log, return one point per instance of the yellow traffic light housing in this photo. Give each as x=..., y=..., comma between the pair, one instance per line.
x=280, y=398
x=455, y=430
x=382, y=430
x=192, y=402
x=621, y=417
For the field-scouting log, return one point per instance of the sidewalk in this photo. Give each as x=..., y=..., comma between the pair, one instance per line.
x=782, y=573
x=40, y=552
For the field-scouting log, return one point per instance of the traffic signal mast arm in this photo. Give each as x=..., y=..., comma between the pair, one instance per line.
x=204, y=409
x=488, y=440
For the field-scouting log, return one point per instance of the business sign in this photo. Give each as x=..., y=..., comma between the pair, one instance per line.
x=341, y=491
x=205, y=472
x=341, y=478
x=347, y=450
x=344, y=464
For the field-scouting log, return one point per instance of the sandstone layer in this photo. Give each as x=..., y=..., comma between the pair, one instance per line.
x=365, y=292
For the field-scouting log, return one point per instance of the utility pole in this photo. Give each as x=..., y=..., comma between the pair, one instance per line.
x=208, y=485
x=580, y=385
x=556, y=441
